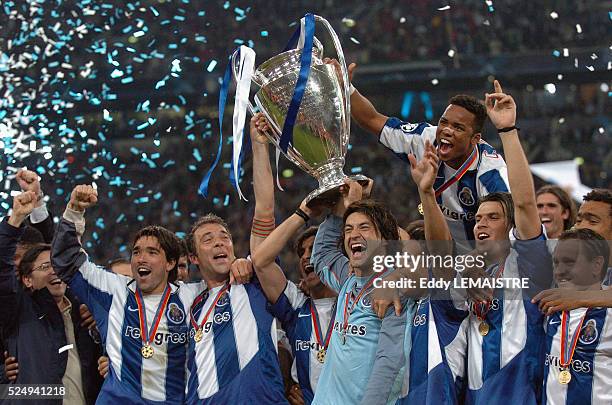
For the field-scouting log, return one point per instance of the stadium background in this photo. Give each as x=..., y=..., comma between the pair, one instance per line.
x=125, y=94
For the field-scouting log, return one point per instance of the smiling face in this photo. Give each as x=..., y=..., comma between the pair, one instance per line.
x=572, y=269
x=42, y=276
x=595, y=215
x=455, y=135
x=491, y=227
x=150, y=267
x=361, y=240
x=307, y=273
x=214, y=251
x=552, y=214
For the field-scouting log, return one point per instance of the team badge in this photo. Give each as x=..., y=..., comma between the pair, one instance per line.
x=589, y=333
x=175, y=313
x=408, y=127
x=223, y=300
x=366, y=301
x=466, y=197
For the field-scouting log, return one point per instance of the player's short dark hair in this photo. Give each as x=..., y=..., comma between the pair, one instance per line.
x=168, y=241
x=299, y=241
x=209, y=218
x=594, y=245
x=600, y=194
x=184, y=248
x=473, y=105
x=564, y=199
x=416, y=229
x=383, y=219
x=31, y=236
x=505, y=199
x=29, y=257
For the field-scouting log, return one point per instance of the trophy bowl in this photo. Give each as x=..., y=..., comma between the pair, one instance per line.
x=322, y=127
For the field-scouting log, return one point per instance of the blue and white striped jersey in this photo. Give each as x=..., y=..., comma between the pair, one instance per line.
x=236, y=361
x=459, y=202
x=505, y=366
x=111, y=299
x=437, y=358
x=293, y=309
x=591, y=366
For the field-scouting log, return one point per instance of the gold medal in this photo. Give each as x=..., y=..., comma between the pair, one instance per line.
x=565, y=377
x=420, y=208
x=321, y=356
x=147, y=351
x=198, y=335
x=483, y=328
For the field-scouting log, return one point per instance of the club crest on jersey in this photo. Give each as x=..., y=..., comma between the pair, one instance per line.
x=223, y=300
x=589, y=333
x=466, y=197
x=175, y=313
x=366, y=300
x=408, y=127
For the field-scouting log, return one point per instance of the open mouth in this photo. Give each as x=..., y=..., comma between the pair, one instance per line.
x=546, y=220
x=55, y=281
x=482, y=236
x=309, y=268
x=445, y=145
x=143, y=271
x=358, y=249
x=220, y=256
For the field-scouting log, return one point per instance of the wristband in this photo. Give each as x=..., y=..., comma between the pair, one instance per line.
x=508, y=129
x=351, y=89
x=302, y=214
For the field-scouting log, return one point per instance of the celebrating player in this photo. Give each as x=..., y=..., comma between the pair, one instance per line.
x=557, y=210
x=144, y=321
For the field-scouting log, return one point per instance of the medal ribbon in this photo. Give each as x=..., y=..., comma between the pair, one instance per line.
x=459, y=174
x=197, y=301
x=347, y=312
x=315, y=321
x=147, y=336
x=568, y=352
x=482, y=309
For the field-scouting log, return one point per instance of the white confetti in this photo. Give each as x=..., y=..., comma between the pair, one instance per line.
x=444, y=8
x=578, y=29
x=435, y=82
x=550, y=87
x=591, y=68
x=355, y=40
x=559, y=77
x=601, y=130
x=565, y=52
x=554, y=15
x=402, y=20
x=451, y=53
x=561, y=120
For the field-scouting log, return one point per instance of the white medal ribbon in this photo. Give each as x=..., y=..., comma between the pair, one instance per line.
x=243, y=88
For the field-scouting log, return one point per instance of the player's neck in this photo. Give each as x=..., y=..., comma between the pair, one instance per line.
x=456, y=163
x=495, y=256
x=157, y=290
x=214, y=280
x=359, y=272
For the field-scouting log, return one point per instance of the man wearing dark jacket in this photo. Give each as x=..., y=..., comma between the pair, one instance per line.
x=40, y=321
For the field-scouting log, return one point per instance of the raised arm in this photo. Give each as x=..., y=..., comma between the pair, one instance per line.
x=263, y=183
x=40, y=217
x=11, y=230
x=501, y=109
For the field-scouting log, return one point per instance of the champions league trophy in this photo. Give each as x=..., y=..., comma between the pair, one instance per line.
x=322, y=125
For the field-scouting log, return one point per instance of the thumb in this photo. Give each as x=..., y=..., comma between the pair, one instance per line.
x=398, y=306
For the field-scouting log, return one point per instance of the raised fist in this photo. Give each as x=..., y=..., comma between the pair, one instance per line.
x=29, y=181
x=259, y=125
x=83, y=197
x=23, y=204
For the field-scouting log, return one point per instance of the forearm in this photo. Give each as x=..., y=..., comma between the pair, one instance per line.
x=67, y=254
x=599, y=298
x=436, y=227
x=330, y=264
x=276, y=241
x=366, y=115
x=521, y=184
x=263, y=181
x=389, y=359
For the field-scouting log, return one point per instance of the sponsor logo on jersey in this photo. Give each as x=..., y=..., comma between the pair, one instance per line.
x=351, y=329
x=366, y=300
x=223, y=300
x=175, y=314
x=303, y=345
x=579, y=366
x=160, y=337
x=463, y=216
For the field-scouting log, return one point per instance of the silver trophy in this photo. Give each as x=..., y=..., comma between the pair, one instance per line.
x=322, y=127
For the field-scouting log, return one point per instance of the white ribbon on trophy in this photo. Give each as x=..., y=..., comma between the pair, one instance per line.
x=241, y=101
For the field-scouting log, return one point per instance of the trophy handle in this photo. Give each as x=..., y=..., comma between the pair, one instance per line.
x=345, y=78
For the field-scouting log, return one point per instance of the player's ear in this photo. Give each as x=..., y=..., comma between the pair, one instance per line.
x=476, y=138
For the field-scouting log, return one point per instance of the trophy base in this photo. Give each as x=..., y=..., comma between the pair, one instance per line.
x=329, y=194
